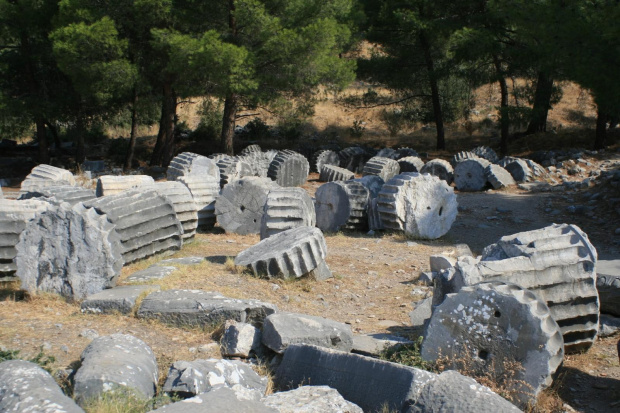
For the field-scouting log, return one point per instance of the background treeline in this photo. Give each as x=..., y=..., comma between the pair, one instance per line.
x=69, y=66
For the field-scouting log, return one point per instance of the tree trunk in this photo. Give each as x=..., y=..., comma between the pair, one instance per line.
x=132, y=135
x=44, y=155
x=164, y=148
x=228, y=123
x=437, y=111
x=542, y=104
x=601, y=129
x=52, y=129
x=504, y=120
x=80, y=152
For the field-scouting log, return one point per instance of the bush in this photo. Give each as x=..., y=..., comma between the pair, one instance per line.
x=408, y=355
x=210, y=125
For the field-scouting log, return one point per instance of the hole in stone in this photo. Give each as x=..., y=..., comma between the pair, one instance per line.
x=440, y=211
x=497, y=314
x=242, y=208
x=428, y=207
x=254, y=220
x=483, y=354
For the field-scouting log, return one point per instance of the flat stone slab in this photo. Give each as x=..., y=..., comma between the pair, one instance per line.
x=26, y=387
x=370, y=383
x=154, y=272
x=197, y=307
x=218, y=400
x=609, y=325
x=283, y=329
x=189, y=378
x=182, y=261
x=375, y=344
x=311, y=399
x=608, y=286
x=119, y=299
x=453, y=392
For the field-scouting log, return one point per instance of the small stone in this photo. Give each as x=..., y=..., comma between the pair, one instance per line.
x=89, y=334
x=64, y=349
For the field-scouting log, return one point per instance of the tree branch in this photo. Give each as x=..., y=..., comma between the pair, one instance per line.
x=392, y=102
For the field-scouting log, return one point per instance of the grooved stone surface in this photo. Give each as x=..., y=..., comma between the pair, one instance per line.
x=291, y=253
x=78, y=252
x=608, y=286
x=557, y=263
x=369, y=383
x=410, y=164
x=154, y=272
x=188, y=163
x=342, y=205
x=486, y=153
x=14, y=215
x=205, y=190
x=120, y=299
x=286, y=208
x=61, y=193
x=289, y=168
x=112, y=184
x=498, y=177
x=49, y=173
x=353, y=158
x=280, y=330
x=197, y=307
x=453, y=392
x=385, y=168
x=439, y=168
x=373, y=183
x=324, y=157
x=145, y=221
x=233, y=168
x=118, y=360
x=26, y=387
x=422, y=206
x=240, y=207
x=494, y=325
x=183, y=203
x=330, y=173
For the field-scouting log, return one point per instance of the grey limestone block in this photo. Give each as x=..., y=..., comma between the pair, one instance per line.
x=439, y=168
x=558, y=263
x=154, y=272
x=410, y=164
x=375, y=344
x=60, y=193
x=205, y=190
x=14, y=215
x=183, y=204
x=374, y=217
x=284, y=209
x=422, y=312
x=342, y=205
x=188, y=163
x=145, y=221
x=353, y=158
x=240, y=206
x=330, y=173
x=518, y=168
x=441, y=262
x=280, y=330
x=221, y=399
x=462, y=156
x=486, y=153
x=239, y=339
x=489, y=327
x=387, y=153
x=369, y=383
x=78, y=252
x=289, y=168
x=259, y=162
x=470, y=175
x=182, y=261
x=608, y=286
x=36, y=184
x=112, y=184
x=120, y=299
x=250, y=149
x=50, y=173
x=453, y=392
x=498, y=177
x=198, y=308
x=421, y=205
x=311, y=399
x=189, y=378
x=324, y=157
x=113, y=362
x=233, y=168
x=373, y=183
x=405, y=152
x=385, y=168
x=26, y=387
x=292, y=253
